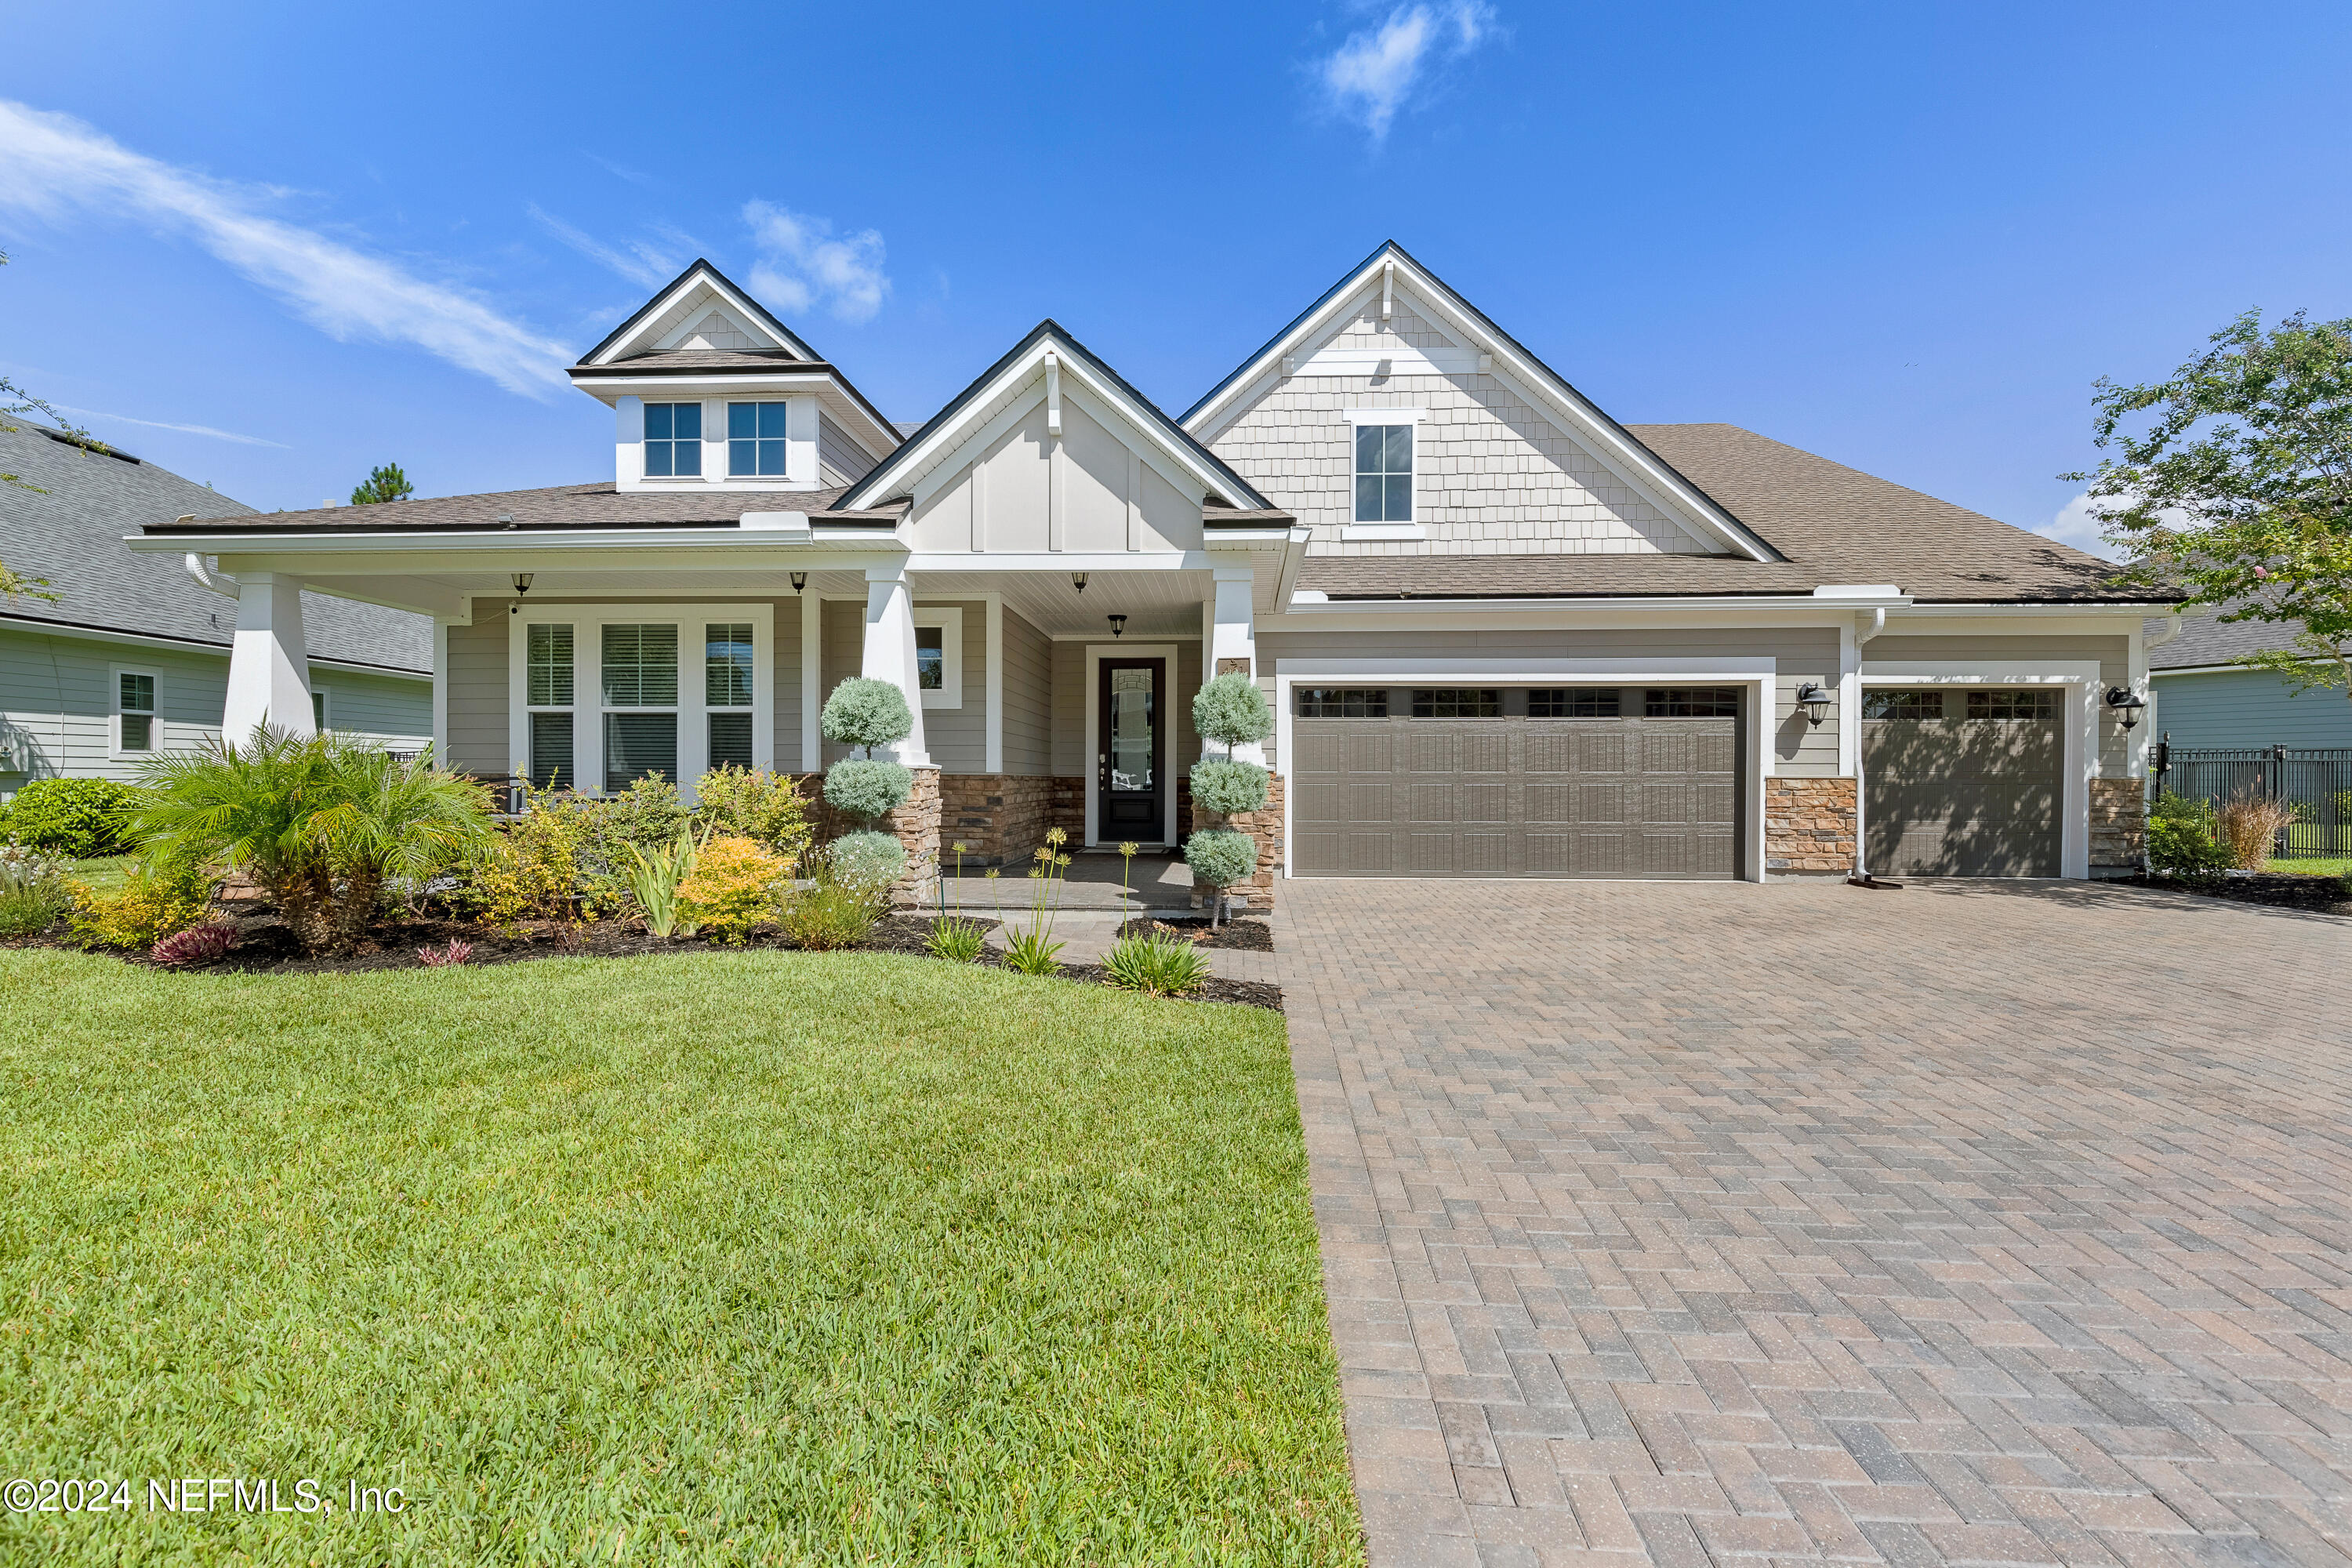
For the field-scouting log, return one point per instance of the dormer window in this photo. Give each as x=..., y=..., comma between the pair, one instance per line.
x=755, y=441
x=1383, y=473
x=673, y=441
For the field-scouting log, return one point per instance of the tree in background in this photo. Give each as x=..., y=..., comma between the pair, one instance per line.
x=386, y=483
x=2239, y=489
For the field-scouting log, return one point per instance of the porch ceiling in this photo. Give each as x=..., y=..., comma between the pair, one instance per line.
x=1156, y=604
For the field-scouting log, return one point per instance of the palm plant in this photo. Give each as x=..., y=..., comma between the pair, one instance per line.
x=320, y=822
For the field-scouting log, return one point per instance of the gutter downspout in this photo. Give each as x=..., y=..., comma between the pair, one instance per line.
x=1861, y=874
x=218, y=581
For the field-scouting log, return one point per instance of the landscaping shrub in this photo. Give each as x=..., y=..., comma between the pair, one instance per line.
x=155, y=903
x=2250, y=825
x=1227, y=787
x=534, y=870
x=731, y=887
x=33, y=891
x=653, y=880
x=957, y=941
x=456, y=953
x=869, y=862
x=205, y=943
x=868, y=789
x=1156, y=966
x=1232, y=711
x=866, y=713
x=79, y=818
x=757, y=804
x=1220, y=857
x=1032, y=952
x=320, y=821
x=829, y=916
x=2180, y=839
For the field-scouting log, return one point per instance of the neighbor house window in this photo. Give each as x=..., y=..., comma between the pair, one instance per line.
x=1338, y=702
x=547, y=692
x=2028, y=704
x=1573, y=703
x=1692, y=702
x=318, y=710
x=1458, y=702
x=755, y=439
x=673, y=441
x=727, y=686
x=1383, y=473
x=1909, y=705
x=134, y=706
x=640, y=677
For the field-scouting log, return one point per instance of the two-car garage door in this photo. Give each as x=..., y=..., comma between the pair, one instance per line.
x=1640, y=782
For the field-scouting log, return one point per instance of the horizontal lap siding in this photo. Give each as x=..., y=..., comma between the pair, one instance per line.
x=1028, y=698
x=379, y=707
x=2113, y=654
x=957, y=737
x=2248, y=708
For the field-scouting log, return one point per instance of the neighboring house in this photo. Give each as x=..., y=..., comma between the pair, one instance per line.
x=2201, y=698
x=1503, y=634
x=132, y=657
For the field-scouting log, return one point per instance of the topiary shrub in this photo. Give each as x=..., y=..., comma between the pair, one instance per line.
x=1227, y=787
x=1220, y=857
x=80, y=819
x=867, y=788
x=867, y=862
x=866, y=713
x=1232, y=711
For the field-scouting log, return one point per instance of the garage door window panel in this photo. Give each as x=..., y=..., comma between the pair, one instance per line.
x=1575, y=702
x=1457, y=702
x=1338, y=703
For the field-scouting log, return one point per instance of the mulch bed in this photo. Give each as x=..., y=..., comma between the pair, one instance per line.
x=2317, y=895
x=1243, y=934
x=265, y=946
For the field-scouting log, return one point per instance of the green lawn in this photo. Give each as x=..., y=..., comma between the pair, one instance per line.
x=106, y=874
x=754, y=1257
x=2311, y=866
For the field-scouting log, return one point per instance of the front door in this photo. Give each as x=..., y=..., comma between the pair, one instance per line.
x=1131, y=775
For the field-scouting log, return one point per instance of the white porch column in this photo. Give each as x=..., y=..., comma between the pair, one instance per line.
x=890, y=651
x=268, y=664
x=1233, y=638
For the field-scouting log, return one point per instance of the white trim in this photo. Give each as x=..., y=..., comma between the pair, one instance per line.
x=745, y=310
x=322, y=708
x=440, y=693
x=950, y=620
x=1759, y=674
x=114, y=752
x=1357, y=531
x=587, y=682
x=993, y=759
x=1095, y=653
x=2080, y=728
x=1385, y=415
x=813, y=678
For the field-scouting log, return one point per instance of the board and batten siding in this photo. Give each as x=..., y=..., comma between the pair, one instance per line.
x=1800, y=653
x=1028, y=698
x=1492, y=473
x=1893, y=650
x=2247, y=708
x=57, y=704
x=1090, y=490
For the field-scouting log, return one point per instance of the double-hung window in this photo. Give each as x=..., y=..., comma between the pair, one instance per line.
x=605, y=695
x=755, y=439
x=548, y=692
x=1384, y=473
x=673, y=441
x=639, y=663
x=134, y=710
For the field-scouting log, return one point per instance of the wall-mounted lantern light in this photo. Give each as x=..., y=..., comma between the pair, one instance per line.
x=1815, y=701
x=800, y=581
x=1079, y=580
x=521, y=586
x=2126, y=706
x=1118, y=626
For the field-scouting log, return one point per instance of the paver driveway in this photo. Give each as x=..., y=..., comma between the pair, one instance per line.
x=1968, y=1223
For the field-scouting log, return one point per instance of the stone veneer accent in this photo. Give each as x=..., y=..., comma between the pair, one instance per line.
x=1000, y=817
x=1264, y=824
x=1808, y=827
x=2118, y=827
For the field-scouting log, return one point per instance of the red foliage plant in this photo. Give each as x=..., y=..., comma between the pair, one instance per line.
x=455, y=953
x=197, y=945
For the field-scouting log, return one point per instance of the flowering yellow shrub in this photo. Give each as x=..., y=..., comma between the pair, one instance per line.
x=151, y=907
x=731, y=887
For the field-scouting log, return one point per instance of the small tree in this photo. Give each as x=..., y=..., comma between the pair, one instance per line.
x=1220, y=857
x=385, y=483
x=1231, y=712
x=865, y=713
x=2240, y=489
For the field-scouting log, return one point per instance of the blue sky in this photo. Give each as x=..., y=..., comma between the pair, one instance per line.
x=269, y=246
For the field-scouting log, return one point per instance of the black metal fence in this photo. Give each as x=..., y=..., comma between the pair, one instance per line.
x=2316, y=779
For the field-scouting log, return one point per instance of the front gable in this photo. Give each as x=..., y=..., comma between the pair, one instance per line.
x=1508, y=458
x=698, y=309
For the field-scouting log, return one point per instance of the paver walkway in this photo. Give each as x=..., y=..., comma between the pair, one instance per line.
x=1697, y=1225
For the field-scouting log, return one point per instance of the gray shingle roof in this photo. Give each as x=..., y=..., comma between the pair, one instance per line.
x=2206, y=640
x=1834, y=524
x=594, y=505
x=73, y=534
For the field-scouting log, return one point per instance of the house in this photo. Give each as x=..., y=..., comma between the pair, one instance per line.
x=2202, y=699
x=1505, y=635
x=133, y=655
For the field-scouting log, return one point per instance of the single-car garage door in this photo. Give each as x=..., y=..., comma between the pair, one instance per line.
x=1962, y=782
x=1517, y=781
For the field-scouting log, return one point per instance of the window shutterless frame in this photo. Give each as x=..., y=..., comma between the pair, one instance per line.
x=540, y=701
x=134, y=729
x=673, y=441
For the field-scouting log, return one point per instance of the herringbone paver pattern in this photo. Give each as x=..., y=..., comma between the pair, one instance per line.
x=1712, y=1224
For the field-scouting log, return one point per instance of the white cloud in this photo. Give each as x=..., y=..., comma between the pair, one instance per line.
x=637, y=261
x=164, y=425
x=2078, y=525
x=801, y=262
x=1369, y=77
x=53, y=165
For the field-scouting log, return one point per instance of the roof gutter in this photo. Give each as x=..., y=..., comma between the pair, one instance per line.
x=219, y=582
